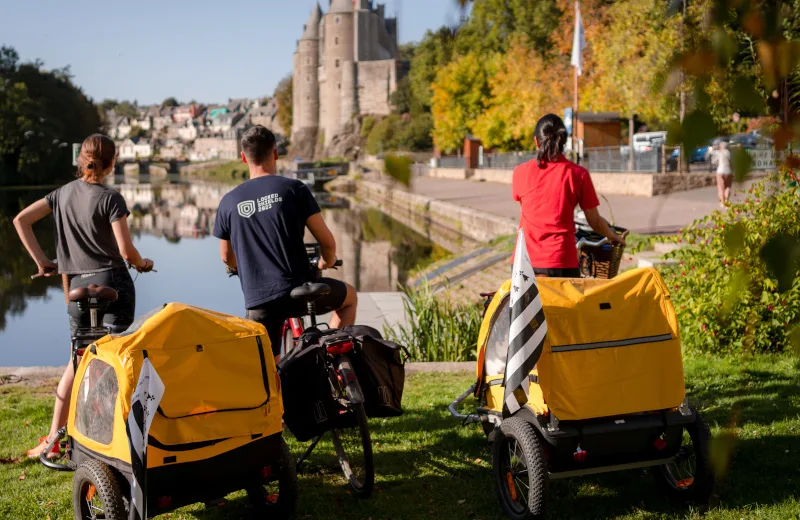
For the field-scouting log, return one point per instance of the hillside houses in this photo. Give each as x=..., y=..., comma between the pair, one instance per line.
x=194, y=131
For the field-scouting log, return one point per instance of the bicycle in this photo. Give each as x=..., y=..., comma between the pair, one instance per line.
x=352, y=443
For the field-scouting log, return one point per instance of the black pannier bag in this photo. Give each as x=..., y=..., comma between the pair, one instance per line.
x=380, y=371
x=309, y=409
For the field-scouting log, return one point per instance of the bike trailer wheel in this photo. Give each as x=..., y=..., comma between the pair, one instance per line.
x=275, y=495
x=689, y=477
x=96, y=493
x=354, y=450
x=519, y=470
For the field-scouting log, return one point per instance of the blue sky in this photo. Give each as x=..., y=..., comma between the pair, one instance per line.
x=207, y=50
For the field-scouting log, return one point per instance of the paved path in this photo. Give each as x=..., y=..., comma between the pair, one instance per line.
x=378, y=308
x=660, y=214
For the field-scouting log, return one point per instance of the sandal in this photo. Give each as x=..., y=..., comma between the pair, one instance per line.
x=34, y=453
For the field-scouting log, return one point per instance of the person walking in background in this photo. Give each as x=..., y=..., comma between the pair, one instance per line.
x=722, y=157
x=548, y=188
x=93, y=243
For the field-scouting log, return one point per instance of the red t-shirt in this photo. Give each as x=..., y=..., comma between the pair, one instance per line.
x=547, y=198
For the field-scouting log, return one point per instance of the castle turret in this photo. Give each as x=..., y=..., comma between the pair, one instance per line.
x=337, y=48
x=305, y=102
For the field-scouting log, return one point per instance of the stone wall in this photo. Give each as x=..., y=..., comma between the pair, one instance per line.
x=470, y=224
x=493, y=175
x=634, y=184
x=376, y=82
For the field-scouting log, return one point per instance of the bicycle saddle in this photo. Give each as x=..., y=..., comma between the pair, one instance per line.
x=310, y=291
x=100, y=292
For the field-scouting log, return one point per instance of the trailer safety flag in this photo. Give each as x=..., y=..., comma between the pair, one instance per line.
x=144, y=403
x=528, y=330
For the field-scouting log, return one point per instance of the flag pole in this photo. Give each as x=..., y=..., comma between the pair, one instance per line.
x=576, y=41
x=575, y=117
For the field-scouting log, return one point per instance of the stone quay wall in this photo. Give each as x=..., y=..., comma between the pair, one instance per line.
x=472, y=224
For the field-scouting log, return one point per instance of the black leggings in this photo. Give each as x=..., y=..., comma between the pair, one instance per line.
x=559, y=272
x=120, y=313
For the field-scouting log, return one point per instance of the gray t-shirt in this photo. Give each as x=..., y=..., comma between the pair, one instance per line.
x=83, y=213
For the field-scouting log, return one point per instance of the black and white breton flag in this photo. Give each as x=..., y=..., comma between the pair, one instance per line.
x=528, y=330
x=144, y=403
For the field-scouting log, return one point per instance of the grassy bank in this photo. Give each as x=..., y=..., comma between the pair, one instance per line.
x=428, y=466
x=233, y=172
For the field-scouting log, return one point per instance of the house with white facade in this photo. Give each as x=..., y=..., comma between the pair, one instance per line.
x=135, y=148
x=145, y=123
x=119, y=127
x=188, y=132
x=224, y=122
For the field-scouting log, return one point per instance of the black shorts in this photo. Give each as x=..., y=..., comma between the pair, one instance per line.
x=558, y=272
x=273, y=313
x=120, y=313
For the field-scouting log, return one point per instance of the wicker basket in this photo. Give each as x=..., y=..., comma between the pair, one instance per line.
x=601, y=261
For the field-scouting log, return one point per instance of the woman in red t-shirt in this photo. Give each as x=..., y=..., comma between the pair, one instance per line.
x=548, y=189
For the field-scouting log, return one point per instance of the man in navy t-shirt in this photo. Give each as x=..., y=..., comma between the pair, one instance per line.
x=261, y=224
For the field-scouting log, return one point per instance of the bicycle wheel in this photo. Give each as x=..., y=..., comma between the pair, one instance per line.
x=689, y=477
x=96, y=493
x=354, y=450
x=275, y=496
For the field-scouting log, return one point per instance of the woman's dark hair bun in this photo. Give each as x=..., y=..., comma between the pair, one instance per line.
x=552, y=136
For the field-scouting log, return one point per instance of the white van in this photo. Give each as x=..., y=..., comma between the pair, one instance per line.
x=644, y=141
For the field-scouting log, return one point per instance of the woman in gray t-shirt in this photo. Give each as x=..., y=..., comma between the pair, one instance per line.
x=93, y=243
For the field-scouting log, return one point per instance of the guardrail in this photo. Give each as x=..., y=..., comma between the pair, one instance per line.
x=617, y=159
x=504, y=161
x=451, y=162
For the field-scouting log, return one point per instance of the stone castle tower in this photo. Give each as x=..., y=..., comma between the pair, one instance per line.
x=345, y=65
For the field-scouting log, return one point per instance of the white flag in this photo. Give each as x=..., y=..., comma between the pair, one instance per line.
x=578, y=41
x=144, y=403
x=528, y=329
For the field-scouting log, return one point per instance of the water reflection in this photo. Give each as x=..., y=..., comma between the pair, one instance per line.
x=171, y=222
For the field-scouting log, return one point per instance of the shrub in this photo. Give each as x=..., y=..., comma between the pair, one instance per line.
x=437, y=329
x=735, y=287
x=367, y=125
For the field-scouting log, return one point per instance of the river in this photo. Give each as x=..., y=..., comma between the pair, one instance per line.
x=171, y=222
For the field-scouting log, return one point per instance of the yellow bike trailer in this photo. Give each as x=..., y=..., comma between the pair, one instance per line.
x=217, y=429
x=607, y=393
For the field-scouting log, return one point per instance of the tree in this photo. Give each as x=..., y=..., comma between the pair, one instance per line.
x=493, y=24
x=109, y=104
x=402, y=98
x=519, y=97
x=41, y=113
x=284, y=97
x=137, y=131
x=126, y=109
x=170, y=102
x=460, y=94
x=433, y=52
x=636, y=49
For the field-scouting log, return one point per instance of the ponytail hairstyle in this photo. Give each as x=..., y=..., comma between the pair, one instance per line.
x=96, y=157
x=552, y=136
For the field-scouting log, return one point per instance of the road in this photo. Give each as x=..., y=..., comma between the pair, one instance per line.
x=647, y=215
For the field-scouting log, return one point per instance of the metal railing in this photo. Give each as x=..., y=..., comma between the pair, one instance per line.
x=451, y=162
x=617, y=159
x=504, y=161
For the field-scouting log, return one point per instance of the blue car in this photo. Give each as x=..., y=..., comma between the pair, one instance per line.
x=699, y=154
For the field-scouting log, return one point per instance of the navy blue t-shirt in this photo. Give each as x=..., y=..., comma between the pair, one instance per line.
x=265, y=219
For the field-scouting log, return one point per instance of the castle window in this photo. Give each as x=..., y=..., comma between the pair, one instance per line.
x=308, y=78
x=336, y=20
x=336, y=40
x=339, y=86
x=308, y=98
x=337, y=63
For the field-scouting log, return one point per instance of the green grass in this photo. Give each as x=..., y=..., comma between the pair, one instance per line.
x=233, y=172
x=429, y=466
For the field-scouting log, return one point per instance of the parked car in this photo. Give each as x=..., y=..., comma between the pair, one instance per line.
x=646, y=141
x=701, y=153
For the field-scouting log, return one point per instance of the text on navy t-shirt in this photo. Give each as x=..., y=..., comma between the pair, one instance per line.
x=265, y=219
